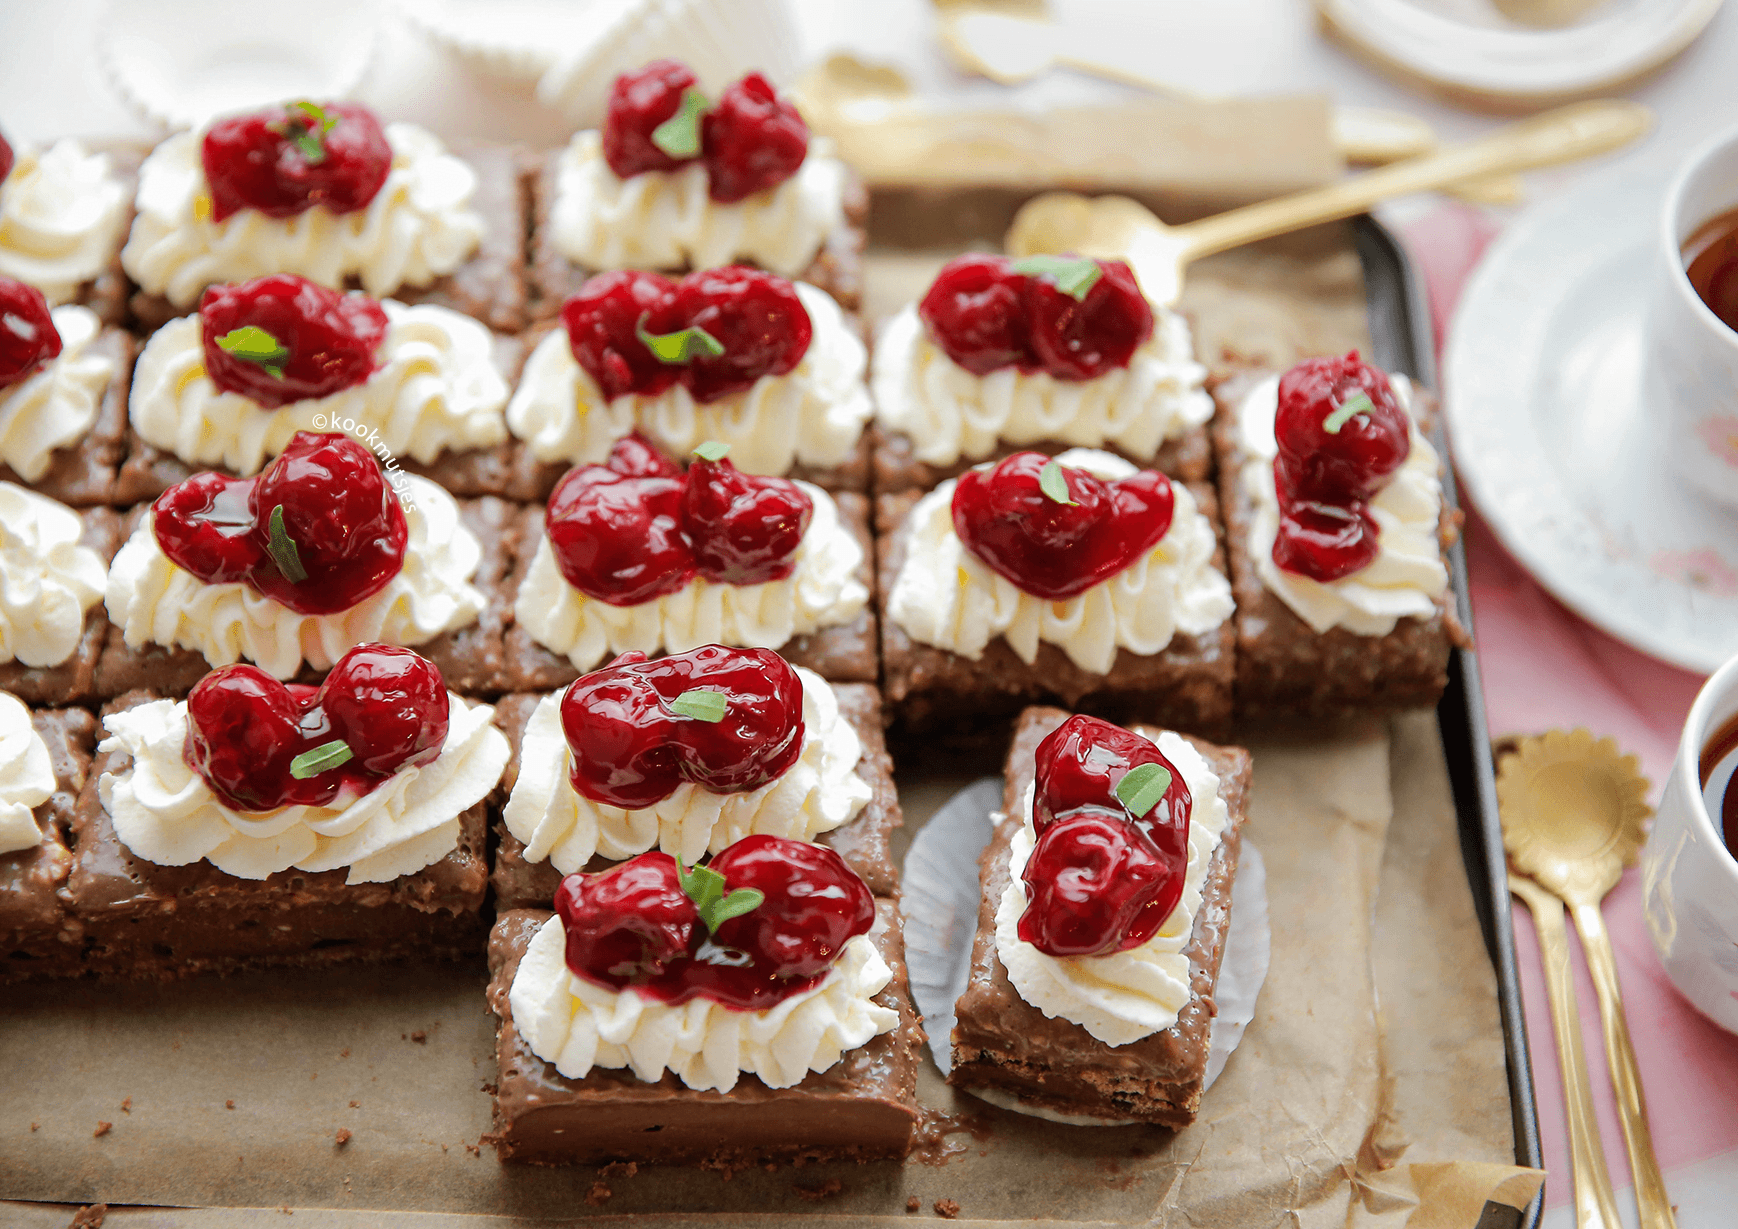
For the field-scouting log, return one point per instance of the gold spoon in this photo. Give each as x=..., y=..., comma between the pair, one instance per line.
x=1574, y=814
x=1115, y=226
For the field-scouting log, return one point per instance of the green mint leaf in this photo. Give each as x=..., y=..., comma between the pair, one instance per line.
x=1054, y=483
x=700, y=704
x=1142, y=786
x=317, y=114
x=702, y=885
x=739, y=902
x=322, y=758
x=309, y=129
x=1350, y=408
x=680, y=347
x=712, y=450
x=1074, y=276
x=679, y=136
x=282, y=548
x=252, y=344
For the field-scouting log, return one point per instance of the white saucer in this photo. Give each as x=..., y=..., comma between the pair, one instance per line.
x=1554, y=440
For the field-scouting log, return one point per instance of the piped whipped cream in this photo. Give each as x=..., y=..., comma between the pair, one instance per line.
x=821, y=591
x=951, y=413
x=61, y=214
x=47, y=580
x=154, y=602
x=813, y=414
x=55, y=406
x=1123, y=996
x=165, y=813
x=1408, y=576
x=437, y=388
x=666, y=220
x=577, y=1025
x=945, y=596
x=818, y=793
x=26, y=776
x=420, y=225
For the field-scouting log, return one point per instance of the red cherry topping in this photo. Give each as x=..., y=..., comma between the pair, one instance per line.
x=284, y=160
x=745, y=529
x=322, y=509
x=1325, y=541
x=602, y=323
x=1083, y=761
x=616, y=529
x=633, y=741
x=1359, y=455
x=7, y=158
x=1055, y=550
x=757, y=319
x=261, y=744
x=753, y=140
x=977, y=315
x=28, y=338
x=1080, y=339
x=282, y=338
x=644, y=924
x=639, y=102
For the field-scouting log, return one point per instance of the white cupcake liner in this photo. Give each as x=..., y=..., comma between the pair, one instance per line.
x=719, y=39
x=517, y=40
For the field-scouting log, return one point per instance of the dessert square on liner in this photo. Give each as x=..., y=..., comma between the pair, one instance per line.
x=39, y=938
x=73, y=679
x=865, y=842
x=864, y=1107
x=83, y=473
x=1003, y=1044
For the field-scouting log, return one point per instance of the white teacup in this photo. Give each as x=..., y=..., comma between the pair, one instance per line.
x=1689, y=878
x=1692, y=356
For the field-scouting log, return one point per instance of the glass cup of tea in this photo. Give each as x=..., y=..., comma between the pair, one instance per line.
x=1692, y=321
x=1689, y=873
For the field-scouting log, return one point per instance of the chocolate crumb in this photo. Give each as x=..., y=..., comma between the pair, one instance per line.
x=443, y=1147
x=491, y=1089
x=356, y=1105
x=35, y=1126
x=229, y=1105
x=127, y=1105
x=404, y=1036
x=344, y=1053
x=103, y=1128
x=826, y=1190
x=619, y=1169
x=343, y=1136
x=420, y=1037
x=599, y=1194
x=91, y=1216
x=913, y=1204
x=474, y=1149
x=286, y=1210
x=947, y=1209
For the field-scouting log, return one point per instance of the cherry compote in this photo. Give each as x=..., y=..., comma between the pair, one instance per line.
x=282, y=338
x=28, y=338
x=286, y=159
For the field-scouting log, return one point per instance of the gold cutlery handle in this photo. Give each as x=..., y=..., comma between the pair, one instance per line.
x=1595, y=1204
x=1650, y=1185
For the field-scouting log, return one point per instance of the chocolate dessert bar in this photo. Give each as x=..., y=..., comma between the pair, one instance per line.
x=38, y=937
x=73, y=681
x=84, y=474
x=1003, y=1044
x=865, y=843
x=862, y=1108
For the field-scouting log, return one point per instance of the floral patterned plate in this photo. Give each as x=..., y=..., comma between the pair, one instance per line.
x=1555, y=441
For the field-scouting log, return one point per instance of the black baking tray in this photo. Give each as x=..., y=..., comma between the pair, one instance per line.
x=1400, y=331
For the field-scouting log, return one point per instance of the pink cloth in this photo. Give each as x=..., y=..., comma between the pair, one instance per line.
x=1545, y=667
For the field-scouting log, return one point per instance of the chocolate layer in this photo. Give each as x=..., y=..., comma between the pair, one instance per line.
x=865, y=843
x=1002, y=1042
x=72, y=681
x=1188, y=457
x=932, y=690
x=862, y=1108
x=83, y=474
x=38, y=937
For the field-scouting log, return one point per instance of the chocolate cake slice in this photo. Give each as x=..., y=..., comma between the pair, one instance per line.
x=73, y=681
x=85, y=474
x=39, y=938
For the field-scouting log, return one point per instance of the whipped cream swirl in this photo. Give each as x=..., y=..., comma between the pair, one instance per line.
x=61, y=214
x=666, y=220
x=437, y=388
x=950, y=413
x=818, y=793
x=55, y=406
x=945, y=596
x=420, y=225
x=26, y=776
x=577, y=1025
x=1408, y=576
x=1123, y=996
x=813, y=414
x=165, y=813
x=154, y=602
x=47, y=580
x=821, y=591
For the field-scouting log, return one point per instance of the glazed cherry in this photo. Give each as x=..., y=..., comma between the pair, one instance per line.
x=976, y=313
x=206, y=526
x=1324, y=541
x=745, y=529
x=1095, y=885
x=629, y=925
x=284, y=160
x=1081, y=763
x=1054, y=550
x=752, y=140
x=325, y=341
x=28, y=338
x=814, y=904
x=616, y=529
x=757, y=317
x=602, y=329
x=244, y=730
x=1360, y=457
x=1082, y=339
x=630, y=748
x=7, y=158
x=639, y=102
x=391, y=704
